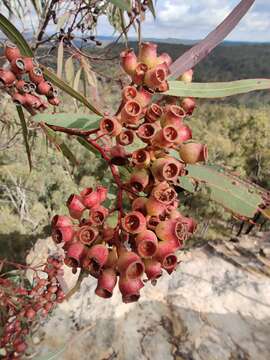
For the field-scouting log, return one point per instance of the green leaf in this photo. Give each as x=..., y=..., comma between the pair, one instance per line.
x=122, y=4
x=216, y=89
x=151, y=7
x=68, y=89
x=25, y=134
x=88, y=146
x=60, y=144
x=60, y=58
x=238, y=196
x=69, y=70
x=15, y=36
x=67, y=120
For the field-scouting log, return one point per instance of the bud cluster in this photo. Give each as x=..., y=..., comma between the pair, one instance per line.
x=24, y=81
x=24, y=306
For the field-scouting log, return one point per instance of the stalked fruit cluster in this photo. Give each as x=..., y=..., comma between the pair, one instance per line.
x=24, y=305
x=24, y=81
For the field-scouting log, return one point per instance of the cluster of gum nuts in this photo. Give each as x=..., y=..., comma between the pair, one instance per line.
x=148, y=235
x=24, y=81
x=24, y=306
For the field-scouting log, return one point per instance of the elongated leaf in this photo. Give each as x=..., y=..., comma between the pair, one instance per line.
x=25, y=135
x=216, y=89
x=198, y=52
x=122, y=4
x=238, y=196
x=62, y=20
x=90, y=148
x=15, y=36
x=72, y=121
x=90, y=75
x=68, y=89
x=151, y=7
x=69, y=70
x=60, y=59
x=60, y=144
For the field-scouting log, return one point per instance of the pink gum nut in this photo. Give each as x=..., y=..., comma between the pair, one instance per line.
x=152, y=269
x=139, y=205
x=118, y=155
x=144, y=97
x=131, y=112
x=184, y=134
x=164, y=193
x=146, y=132
x=87, y=235
x=106, y=283
x=128, y=61
x=11, y=51
x=191, y=224
x=75, y=206
x=188, y=104
x=172, y=230
x=155, y=207
x=110, y=126
x=62, y=234
x=89, y=197
x=173, y=115
x=153, y=113
x=126, y=137
x=187, y=76
x=165, y=255
x=192, y=153
x=22, y=86
x=139, y=180
x=141, y=158
x=112, y=259
x=139, y=73
x=166, y=169
x=29, y=63
x=164, y=58
x=164, y=86
x=19, y=98
x=155, y=77
x=148, y=54
x=146, y=244
x=130, y=288
x=102, y=193
x=17, y=66
x=98, y=214
x=97, y=257
x=134, y=222
x=33, y=101
x=54, y=101
x=130, y=264
x=75, y=253
x=129, y=93
x=36, y=75
x=7, y=77
x=152, y=222
x=166, y=137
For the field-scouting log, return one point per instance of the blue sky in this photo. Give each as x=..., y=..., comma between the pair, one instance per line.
x=193, y=19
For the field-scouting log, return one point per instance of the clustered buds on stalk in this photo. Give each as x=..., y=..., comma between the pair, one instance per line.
x=24, y=81
x=147, y=237
x=24, y=305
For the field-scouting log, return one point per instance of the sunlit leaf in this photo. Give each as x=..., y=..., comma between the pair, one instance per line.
x=60, y=58
x=62, y=20
x=122, y=4
x=67, y=120
x=69, y=70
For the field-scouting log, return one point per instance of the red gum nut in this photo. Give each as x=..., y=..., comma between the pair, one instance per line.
x=87, y=235
x=163, y=87
x=112, y=259
x=126, y=137
x=192, y=153
x=144, y=96
x=118, y=155
x=102, y=193
x=97, y=256
x=164, y=193
x=75, y=253
x=98, y=214
x=139, y=73
x=22, y=86
x=153, y=113
x=164, y=57
x=17, y=66
x=173, y=115
x=75, y=206
x=155, y=207
x=129, y=93
x=129, y=61
x=146, y=244
x=165, y=248
x=165, y=255
x=19, y=99
x=110, y=126
x=44, y=88
x=141, y=158
x=36, y=75
x=148, y=54
x=106, y=283
x=29, y=63
x=11, y=51
x=62, y=234
x=139, y=180
x=131, y=112
x=54, y=101
x=139, y=205
x=172, y=230
x=191, y=224
x=89, y=197
x=7, y=77
x=130, y=289
x=130, y=264
x=20, y=348
x=152, y=221
x=166, y=137
x=61, y=221
x=188, y=104
x=134, y=222
x=152, y=269
x=146, y=132
x=184, y=134
x=166, y=169
x=155, y=77
x=33, y=101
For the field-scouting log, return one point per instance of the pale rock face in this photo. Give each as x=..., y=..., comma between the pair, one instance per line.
x=207, y=310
